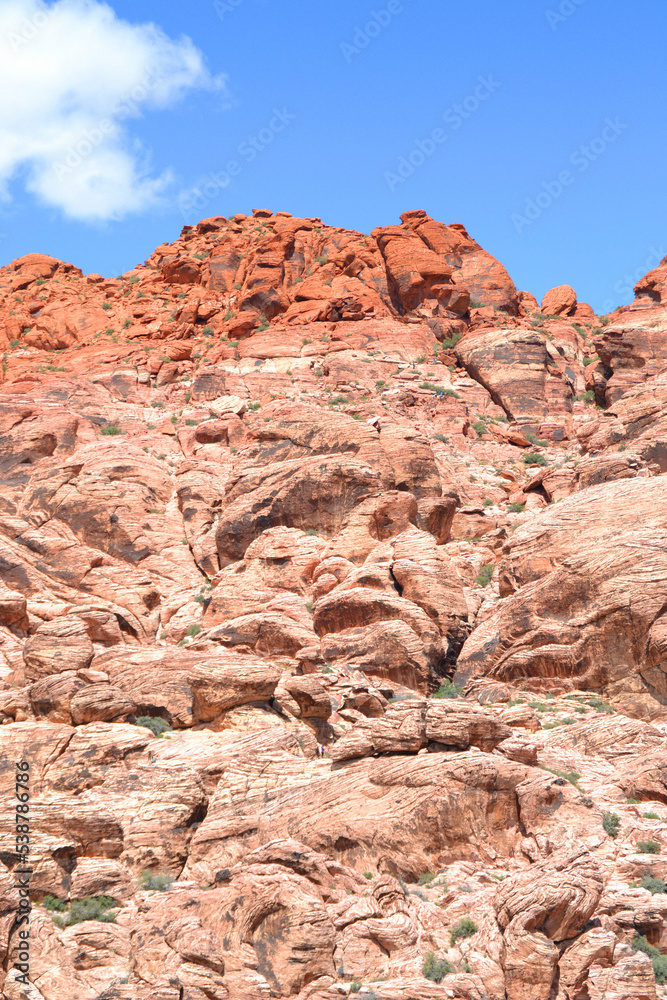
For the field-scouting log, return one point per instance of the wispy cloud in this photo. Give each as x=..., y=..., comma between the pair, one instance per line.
x=74, y=75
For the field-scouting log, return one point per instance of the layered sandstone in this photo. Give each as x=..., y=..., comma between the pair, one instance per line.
x=262, y=499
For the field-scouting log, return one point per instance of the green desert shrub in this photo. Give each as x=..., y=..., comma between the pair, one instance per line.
x=156, y=883
x=90, y=908
x=483, y=578
x=648, y=847
x=447, y=690
x=463, y=928
x=156, y=724
x=611, y=823
x=434, y=968
x=653, y=884
x=658, y=960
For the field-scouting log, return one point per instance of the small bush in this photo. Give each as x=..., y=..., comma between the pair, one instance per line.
x=156, y=724
x=611, y=823
x=571, y=776
x=426, y=878
x=479, y=427
x=535, y=440
x=110, y=430
x=311, y=531
x=106, y=305
x=534, y=458
x=516, y=508
x=447, y=690
x=450, y=342
x=485, y=575
x=653, y=884
x=435, y=969
x=355, y=986
x=90, y=908
x=463, y=928
x=155, y=883
x=648, y=847
x=600, y=706
x=650, y=815
x=193, y=630
x=53, y=904
x=441, y=437
x=658, y=960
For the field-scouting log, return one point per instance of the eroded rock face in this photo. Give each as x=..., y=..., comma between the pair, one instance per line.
x=582, y=607
x=261, y=500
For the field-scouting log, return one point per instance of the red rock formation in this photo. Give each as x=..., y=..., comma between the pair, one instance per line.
x=266, y=495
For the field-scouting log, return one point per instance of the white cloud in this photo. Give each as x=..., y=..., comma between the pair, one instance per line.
x=71, y=74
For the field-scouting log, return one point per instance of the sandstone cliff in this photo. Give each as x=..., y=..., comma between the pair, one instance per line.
x=333, y=571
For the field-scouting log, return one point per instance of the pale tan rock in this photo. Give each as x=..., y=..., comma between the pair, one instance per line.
x=567, y=637
x=407, y=727
x=226, y=406
x=62, y=644
x=550, y=902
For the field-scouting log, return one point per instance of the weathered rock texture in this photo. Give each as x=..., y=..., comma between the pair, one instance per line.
x=261, y=499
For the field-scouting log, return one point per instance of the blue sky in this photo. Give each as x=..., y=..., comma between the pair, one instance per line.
x=541, y=128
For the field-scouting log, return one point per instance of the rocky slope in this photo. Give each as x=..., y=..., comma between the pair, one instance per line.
x=332, y=580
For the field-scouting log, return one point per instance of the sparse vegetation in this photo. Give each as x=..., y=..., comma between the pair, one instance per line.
x=447, y=690
x=571, y=776
x=110, y=430
x=611, y=823
x=600, y=706
x=516, y=508
x=435, y=969
x=449, y=342
x=154, y=883
x=155, y=723
x=648, y=847
x=658, y=960
x=534, y=458
x=426, y=878
x=463, y=928
x=485, y=575
x=100, y=908
x=653, y=884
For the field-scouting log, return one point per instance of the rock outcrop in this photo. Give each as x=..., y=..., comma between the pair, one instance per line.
x=332, y=579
